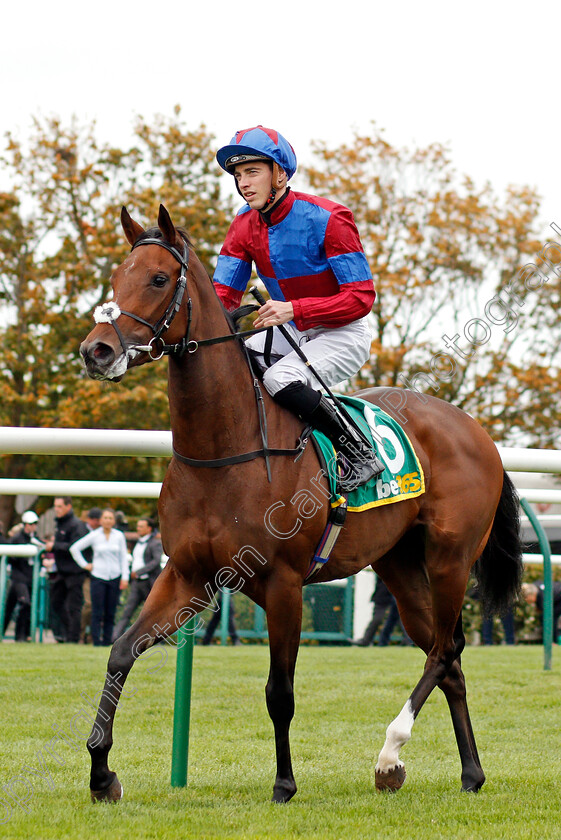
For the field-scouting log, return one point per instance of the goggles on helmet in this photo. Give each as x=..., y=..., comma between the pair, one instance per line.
x=231, y=163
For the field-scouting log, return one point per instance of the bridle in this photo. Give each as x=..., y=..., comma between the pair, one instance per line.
x=110, y=312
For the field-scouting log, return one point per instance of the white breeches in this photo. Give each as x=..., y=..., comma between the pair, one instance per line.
x=336, y=354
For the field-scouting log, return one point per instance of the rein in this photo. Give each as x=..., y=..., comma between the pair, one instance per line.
x=110, y=312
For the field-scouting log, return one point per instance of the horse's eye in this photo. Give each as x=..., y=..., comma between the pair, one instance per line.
x=159, y=280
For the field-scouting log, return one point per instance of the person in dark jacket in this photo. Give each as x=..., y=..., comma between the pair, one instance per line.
x=66, y=591
x=146, y=566
x=22, y=577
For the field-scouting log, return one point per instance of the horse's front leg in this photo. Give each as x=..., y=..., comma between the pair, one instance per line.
x=167, y=607
x=284, y=622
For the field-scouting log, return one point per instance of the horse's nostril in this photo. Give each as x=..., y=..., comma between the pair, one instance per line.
x=101, y=352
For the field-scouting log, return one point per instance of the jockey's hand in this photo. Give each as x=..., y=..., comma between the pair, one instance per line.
x=273, y=313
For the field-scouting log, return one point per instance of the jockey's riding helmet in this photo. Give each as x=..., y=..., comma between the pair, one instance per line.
x=258, y=143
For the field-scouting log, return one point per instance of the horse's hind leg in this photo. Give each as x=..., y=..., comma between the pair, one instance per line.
x=454, y=688
x=167, y=607
x=390, y=772
x=284, y=622
x=455, y=691
x=422, y=607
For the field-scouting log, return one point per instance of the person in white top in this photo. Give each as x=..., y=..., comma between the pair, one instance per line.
x=109, y=573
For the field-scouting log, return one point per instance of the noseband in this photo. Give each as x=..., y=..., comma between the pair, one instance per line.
x=110, y=312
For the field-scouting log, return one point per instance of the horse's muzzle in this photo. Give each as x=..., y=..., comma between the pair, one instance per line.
x=100, y=360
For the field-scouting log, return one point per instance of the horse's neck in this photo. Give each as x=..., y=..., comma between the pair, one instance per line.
x=211, y=396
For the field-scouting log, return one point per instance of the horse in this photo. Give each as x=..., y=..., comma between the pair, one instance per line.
x=217, y=493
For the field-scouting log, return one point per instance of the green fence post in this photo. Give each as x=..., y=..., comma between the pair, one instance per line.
x=259, y=621
x=182, y=705
x=547, y=583
x=35, y=595
x=224, y=616
x=348, y=609
x=43, y=602
x=3, y=579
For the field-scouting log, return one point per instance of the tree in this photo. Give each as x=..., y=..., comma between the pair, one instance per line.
x=447, y=259
x=60, y=239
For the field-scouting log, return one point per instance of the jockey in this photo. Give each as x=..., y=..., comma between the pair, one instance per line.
x=308, y=253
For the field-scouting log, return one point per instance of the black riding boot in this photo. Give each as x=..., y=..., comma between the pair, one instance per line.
x=361, y=463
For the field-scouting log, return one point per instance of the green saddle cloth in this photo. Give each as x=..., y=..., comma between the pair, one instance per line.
x=403, y=477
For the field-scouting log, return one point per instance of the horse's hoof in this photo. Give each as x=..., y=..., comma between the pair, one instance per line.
x=110, y=794
x=473, y=785
x=391, y=779
x=283, y=793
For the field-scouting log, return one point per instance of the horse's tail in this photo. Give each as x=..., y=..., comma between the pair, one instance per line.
x=499, y=569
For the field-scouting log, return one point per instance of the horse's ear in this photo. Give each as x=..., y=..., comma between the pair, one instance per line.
x=166, y=225
x=132, y=229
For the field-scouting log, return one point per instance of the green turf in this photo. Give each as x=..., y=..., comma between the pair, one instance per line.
x=345, y=698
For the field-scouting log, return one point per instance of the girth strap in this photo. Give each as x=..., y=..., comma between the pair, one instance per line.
x=298, y=451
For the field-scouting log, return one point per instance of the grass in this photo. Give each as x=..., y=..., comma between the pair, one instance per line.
x=344, y=700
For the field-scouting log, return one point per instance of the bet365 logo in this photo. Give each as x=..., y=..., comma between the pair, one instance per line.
x=408, y=483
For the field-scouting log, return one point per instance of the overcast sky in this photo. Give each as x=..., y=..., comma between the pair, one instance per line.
x=482, y=77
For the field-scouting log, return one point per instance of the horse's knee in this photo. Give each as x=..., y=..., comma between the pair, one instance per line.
x=279, y=695
x=441, y=661
x=123, y=654
x=454, y=684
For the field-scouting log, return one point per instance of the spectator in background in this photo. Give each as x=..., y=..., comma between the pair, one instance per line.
x=215, y=620
x=392, y=621
x=92, y=522
x=487, y=621
x=533, y=594
x=66, y=590
x=22, y=577
x=146, y=566
x=109, y=573
x=121, y=521
x=507, y=621
x=385, y=613
x=49, y=565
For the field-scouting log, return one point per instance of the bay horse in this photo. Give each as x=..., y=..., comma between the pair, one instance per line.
x=216, y=495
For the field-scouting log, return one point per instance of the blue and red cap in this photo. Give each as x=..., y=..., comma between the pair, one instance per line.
x=258, y=143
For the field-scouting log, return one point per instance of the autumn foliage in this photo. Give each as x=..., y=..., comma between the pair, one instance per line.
x=440, y=248
x=60, y=239
x=459, y=313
